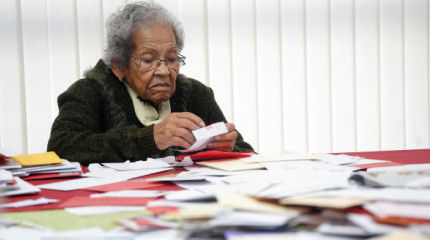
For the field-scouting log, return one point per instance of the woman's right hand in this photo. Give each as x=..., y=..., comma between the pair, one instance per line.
x=176, y=130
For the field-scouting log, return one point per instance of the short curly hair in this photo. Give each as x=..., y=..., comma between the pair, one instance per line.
x=121, y=25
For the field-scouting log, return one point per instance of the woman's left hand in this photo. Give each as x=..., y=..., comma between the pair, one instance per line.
x=226, y=141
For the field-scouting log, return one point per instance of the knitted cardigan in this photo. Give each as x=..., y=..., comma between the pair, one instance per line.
x=97, y=123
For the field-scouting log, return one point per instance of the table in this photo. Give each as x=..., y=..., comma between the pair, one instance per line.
x=413, y=156
x=51, y=216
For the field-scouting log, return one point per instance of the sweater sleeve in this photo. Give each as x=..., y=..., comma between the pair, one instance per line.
x=216, y=115
x=202, y=102
x=77, y=133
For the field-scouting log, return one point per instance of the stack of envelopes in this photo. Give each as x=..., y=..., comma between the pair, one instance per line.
x=216, y=195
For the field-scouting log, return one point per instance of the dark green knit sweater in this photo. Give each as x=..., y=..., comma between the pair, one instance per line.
x=97, y=123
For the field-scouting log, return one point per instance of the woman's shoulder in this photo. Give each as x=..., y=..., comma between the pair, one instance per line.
x=190, y=93
x=184, y=83
x=95, y=79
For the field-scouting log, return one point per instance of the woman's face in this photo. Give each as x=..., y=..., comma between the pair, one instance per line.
x=154, y=42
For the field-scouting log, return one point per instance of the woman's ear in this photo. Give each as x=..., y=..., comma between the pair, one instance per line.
x=118, y=72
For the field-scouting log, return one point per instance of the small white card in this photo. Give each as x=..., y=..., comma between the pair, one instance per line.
x=205, y=135
x=29, y=202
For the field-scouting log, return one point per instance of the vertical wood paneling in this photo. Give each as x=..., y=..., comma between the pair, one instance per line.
x=171, y=5
x=36, y=73
x=294, y=76
x=193, y=16
x=134, y=1
x=244, y=69
x=342, y=75
x=109, y=7
x=318, y=75
x=416, y=74
x=12, y=97
x=269, y=87
x=367, y=74
x=391, y=69
x=64, y=66
x=219, y=54
x=90, y=33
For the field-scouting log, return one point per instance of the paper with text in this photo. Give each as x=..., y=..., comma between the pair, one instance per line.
x=205, y=135
x=280, y=157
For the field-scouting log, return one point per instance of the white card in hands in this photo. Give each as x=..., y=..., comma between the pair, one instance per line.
x=205, y=135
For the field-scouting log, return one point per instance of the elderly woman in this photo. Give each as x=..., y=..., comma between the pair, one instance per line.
x=134, y=104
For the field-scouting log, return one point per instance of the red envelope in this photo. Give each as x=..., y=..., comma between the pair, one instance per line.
x=105, y=201
x=136, y=184
x=214, y=154
x=389, y=219
x=375, y=165
x=3, y=157
x=143, y=224
x=51, y=175
x=157, y=210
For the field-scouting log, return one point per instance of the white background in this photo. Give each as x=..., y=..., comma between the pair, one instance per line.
x=294, y=75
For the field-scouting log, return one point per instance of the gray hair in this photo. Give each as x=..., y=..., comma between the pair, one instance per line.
x=121, y=25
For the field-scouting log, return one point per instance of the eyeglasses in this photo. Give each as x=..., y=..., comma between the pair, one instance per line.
x=153, y=63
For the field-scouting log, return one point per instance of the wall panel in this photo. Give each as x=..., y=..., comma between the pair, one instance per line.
x=294, y=92
x=109, y=7
x=269, y=88
x=342, y=75
x=63, y=61
x=295, y=75
x=171, y=5
x=244, y=70
x=416, y=74
x=219, y=54
x=367, y=74
x=36, y=72
x=318, y=75
x=193, y=15
x=392, y=74
x=90, y=33
x=13, y=130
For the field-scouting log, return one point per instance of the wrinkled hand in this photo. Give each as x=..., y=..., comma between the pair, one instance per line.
x=176, y=130
x=226, y=141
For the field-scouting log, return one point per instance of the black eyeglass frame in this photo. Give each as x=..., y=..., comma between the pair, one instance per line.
x=181, y=59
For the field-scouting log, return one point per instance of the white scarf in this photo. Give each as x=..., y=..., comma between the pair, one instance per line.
x=145, y=112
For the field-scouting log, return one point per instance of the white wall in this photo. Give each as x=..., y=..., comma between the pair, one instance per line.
x=293, y=75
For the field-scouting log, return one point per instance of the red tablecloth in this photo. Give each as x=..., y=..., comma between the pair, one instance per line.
x=401, y=156
x=65, y=195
